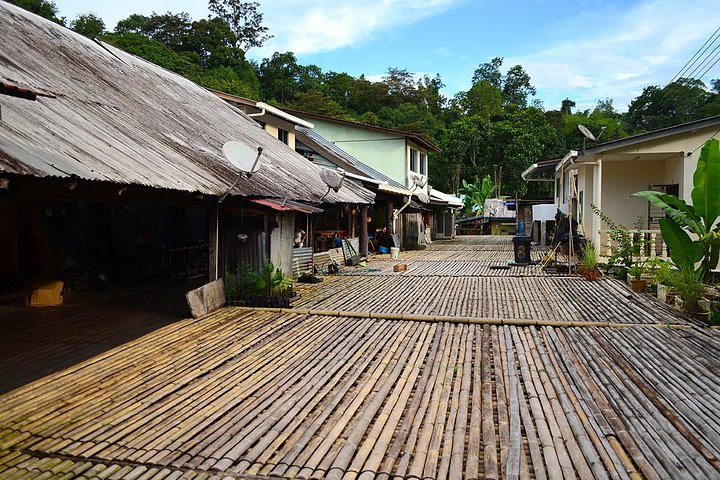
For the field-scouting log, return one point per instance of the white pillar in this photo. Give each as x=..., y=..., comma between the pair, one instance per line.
x=597, y=201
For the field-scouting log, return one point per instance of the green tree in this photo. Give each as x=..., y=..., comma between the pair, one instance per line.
x=567, y=106
x=170, y=29
x=225, y=79
x=401, y=87
x=411, y=117
x=490, y=72
x=134, y=24
x=429, y=91
x=367, y=96
x=516, y=87
x=244, y=20
x=44, y=8
x=280, y=77
x=483, y=99
x=517, y=140
x=154, y=51
x=88, y=24
x=315, y=101
x=679, y=102
x=214, y=43
x=462, y=149
x=339, y=87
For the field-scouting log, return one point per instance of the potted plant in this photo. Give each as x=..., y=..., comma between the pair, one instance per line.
x=270, y=288
x=588, y=266
x=664, y=279
x=626, y=245
x=653, y=265
x=636, y=271
x=689, y=287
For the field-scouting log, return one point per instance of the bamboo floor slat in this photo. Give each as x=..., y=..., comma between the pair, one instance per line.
x=540, y=298
x=448, y=268
x=340, y=398
x=313, y=393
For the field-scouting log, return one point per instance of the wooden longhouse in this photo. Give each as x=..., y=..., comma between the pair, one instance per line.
x=113, y=166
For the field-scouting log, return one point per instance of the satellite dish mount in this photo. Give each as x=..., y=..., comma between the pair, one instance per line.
x=419, y=183
x=333, y=179
x=242, y=157
x=589, y=135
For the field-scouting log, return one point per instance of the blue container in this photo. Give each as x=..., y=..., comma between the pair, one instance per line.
x=520, y=228
x=382, y=249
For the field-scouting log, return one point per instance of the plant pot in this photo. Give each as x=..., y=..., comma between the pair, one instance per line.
x=702, y=316
x=639, y=286
x=591, y=275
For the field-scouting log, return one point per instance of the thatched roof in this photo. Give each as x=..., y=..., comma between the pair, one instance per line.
x=110, y=116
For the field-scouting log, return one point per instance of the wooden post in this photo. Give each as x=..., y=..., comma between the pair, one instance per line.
x=351, y=222
x=364, y=230
x=390, y=208
x=213, y=242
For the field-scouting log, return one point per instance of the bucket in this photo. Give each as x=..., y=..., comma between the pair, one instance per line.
x=394, y=253
x=382, y=249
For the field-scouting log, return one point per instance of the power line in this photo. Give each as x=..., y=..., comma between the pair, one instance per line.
x=700, y=56
x=709, y=57
x=682, y=70
x=717, y=59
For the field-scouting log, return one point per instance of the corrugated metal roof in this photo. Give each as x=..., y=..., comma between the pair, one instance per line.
x=445, y=198
x=121, y=119
x=334, y=153
x=286, y=205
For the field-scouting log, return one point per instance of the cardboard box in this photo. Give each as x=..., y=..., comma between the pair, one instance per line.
x=46, y=292
x=400, y=267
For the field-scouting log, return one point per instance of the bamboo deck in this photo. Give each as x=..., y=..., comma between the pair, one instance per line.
x=530, y=298
x=251, y=393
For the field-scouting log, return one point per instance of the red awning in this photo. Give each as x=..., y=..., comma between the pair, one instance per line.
x=283, y=205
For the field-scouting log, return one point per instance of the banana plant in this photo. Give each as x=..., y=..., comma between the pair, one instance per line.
x=476, y=194
x=699, y=219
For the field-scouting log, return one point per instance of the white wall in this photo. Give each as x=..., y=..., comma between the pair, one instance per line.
x=674, y=174
x=620, y=180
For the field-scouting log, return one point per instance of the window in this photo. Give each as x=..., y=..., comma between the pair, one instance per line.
x=423, y=164
x=283, y=136
x=413, y=160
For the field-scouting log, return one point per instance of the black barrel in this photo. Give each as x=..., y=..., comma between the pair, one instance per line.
x=521, y=244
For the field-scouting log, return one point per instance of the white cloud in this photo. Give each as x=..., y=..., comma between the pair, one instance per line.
x=616, y=54
x=306, y=27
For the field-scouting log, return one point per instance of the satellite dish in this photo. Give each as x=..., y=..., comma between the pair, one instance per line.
x=332, y=178
x=586, y=132
x=418, y=180
x=243, y=157
x=423, y=196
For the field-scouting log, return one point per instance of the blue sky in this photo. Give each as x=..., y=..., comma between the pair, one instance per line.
x=585, y=50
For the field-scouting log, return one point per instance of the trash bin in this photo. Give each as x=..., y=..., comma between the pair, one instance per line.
x=394, y=253
x=521, y=244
